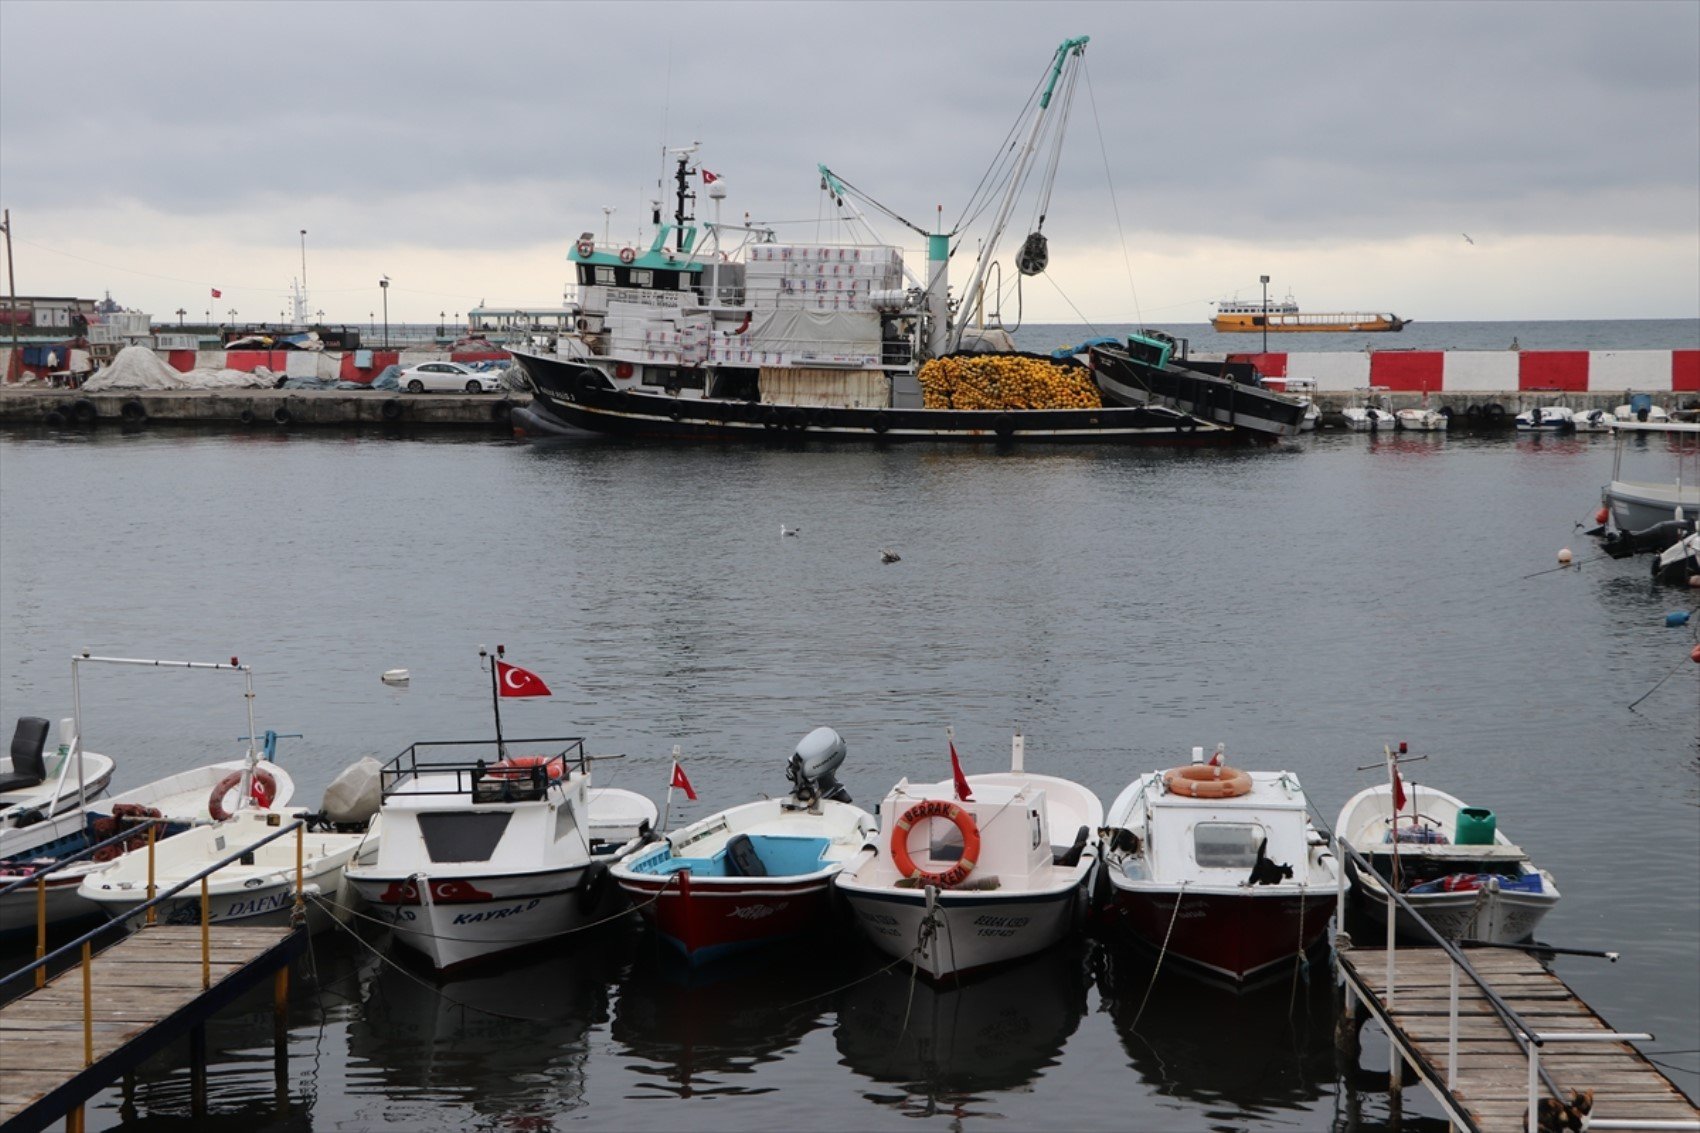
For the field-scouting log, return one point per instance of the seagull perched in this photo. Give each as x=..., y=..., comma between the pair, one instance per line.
x=1467, y=239
x=784, y=530
x=890, y=556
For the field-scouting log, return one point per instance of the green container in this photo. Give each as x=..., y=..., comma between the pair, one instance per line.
x=1475, y=826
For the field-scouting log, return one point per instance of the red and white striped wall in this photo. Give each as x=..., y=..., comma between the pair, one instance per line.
x=1476, y=371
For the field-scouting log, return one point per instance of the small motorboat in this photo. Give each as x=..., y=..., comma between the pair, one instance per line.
x=1679, y=563
x=964, y=880
x=481, y=856
x=36, y=787
x=1593, y=420
x=1640, y=504
x=1449, y=861
x=1640, y=408
x=1219, y=867
x=1304, y=389
x=1369, y=411
x=754, y=873
x=1420, y=419
x=1554, y=418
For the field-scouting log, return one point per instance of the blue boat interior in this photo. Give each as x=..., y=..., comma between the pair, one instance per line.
x=775, y=855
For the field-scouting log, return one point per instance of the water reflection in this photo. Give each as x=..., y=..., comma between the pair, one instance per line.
x=1258, y=1051
x=507, y=1042
x=952, y=1047
x=700, y=1031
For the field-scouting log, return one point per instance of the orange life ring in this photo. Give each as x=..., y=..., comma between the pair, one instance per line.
x=586, y=249
x=262, y=787
x=1201, y=781
x=936, y=808
x=519, y=767
x=627, y=255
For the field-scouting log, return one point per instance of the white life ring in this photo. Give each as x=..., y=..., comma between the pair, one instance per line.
x=627, y=255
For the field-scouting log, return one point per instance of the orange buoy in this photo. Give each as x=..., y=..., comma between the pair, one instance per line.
x=1695, y=655
x=1602, y=515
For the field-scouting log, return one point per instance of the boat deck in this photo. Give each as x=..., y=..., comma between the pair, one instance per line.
x=1484, y=1082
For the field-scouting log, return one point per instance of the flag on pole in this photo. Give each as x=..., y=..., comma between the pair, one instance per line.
x=515, y=681
x=681, y=782
x=217, y=294
x=962, y=792
x=1398, y=792
x=709, y=178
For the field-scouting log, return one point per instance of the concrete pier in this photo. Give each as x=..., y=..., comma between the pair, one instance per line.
x=257, y=408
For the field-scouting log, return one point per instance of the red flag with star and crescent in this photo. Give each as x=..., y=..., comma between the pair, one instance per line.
x=681, y=782
x=962, y=791
x=515, y=681
x=1398, y=791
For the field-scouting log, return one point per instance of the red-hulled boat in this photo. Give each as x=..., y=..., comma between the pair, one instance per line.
x=1218, y=867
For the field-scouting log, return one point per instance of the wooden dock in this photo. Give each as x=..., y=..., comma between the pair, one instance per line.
x=146, y=992
x=1483, y=1080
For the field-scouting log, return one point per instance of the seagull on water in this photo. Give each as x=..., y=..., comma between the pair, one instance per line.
x=1467, y=239
x=784, y=530
x=890, y=556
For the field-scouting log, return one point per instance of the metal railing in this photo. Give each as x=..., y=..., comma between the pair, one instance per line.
x=85, y=941
x=471, y=774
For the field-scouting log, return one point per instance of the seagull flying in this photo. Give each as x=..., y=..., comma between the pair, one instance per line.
x=1467, y=239
x=784, y=530
x=890, y=556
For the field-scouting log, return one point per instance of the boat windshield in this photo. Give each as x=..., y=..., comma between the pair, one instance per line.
x=1226, y=845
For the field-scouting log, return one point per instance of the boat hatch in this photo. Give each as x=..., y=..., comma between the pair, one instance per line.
x=1227, y=845
x=463, y=836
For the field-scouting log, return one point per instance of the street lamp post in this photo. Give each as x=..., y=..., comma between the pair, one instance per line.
x=384, y=286
x=441, y=316
x=233, y=316
x=1263, y=279
x=180, y=313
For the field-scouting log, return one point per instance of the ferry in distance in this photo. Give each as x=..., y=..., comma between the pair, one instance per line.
x=1235, y=315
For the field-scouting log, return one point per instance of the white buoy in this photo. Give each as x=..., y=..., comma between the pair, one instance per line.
x=396, y=676
x=1564, y=557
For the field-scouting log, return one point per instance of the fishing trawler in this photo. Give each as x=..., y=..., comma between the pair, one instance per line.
x=1237, y=316
x=725, y=332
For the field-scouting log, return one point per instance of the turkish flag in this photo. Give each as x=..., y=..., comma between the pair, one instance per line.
x=217, y=294
x=709, y=178
x=962, y=791
x=515, y=681
x=1398, y=792
x=681, y=782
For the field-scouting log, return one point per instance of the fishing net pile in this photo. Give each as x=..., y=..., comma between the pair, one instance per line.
x=1006, y=381
x=137, y=367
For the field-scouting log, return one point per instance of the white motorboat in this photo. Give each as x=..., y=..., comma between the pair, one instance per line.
x=258, y=889
x=1219, y=867
x=1420, y=419
x=1305, y=390
x=754, y=873
x=37, y=787
x=1679, y=564
x=1640, y=408
x=1449, y=861
x=1635, y=505
x=1593, y=420
x=1555, y=418
x=479, y=857
x=181, y=800
x=1369, y=411
x=962, y=884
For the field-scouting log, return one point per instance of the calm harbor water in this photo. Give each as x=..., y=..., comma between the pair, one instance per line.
x=1304, y=604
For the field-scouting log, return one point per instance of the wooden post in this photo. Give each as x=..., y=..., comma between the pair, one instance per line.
x=153, y=911
x=88, y=1005
x=41, y=929
x=280, y=1039
x=198, y=1070
x=206, y=939
x=300, y=871
x=1452, y=1032
x=74, y=1120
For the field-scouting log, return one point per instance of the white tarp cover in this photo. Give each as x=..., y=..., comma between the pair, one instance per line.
x=816, y=332
x=137, y=367
x=354, y=796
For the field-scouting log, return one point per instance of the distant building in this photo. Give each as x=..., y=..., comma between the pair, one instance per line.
x=50, y=314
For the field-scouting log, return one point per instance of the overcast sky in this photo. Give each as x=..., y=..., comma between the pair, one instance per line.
x=160, y=150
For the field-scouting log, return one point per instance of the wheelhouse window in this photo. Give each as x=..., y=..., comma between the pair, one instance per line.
x=1226, y=845
x=605, y=276
x=463, y=836
x=643, y=277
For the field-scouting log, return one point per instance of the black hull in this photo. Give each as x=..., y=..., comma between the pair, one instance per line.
x=570, y=396
x=1127, y=380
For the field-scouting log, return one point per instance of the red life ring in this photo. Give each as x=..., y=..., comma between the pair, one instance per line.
x=586, y=249
x=519, y=767
x=1202, y=781
x=262, y=787
x=936, y=808
x=627, y=255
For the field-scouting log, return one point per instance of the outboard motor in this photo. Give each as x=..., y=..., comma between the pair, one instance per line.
x=810, y=769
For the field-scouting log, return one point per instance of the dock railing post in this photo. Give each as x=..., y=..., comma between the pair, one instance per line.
x=1395, y=1060
x=41, y=928
x=300, y=873
x=88, y=1004
x=206, y=939
x=1533, y=1115
x=1452, y=1031
x=153, y=911
x=1340, y=890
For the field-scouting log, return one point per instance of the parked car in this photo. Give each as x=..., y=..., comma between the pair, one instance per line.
x=447, y=376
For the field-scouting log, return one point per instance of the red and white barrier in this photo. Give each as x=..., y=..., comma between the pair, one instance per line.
x=1482, y=371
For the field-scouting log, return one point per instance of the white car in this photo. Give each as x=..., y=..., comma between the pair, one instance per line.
x=447, y=376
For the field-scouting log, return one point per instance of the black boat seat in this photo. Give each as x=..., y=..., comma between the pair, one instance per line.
x=1070, y=857
x=742, y=859
x=29, y=740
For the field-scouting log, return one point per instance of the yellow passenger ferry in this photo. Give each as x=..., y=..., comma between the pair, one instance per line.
x=1233, y=315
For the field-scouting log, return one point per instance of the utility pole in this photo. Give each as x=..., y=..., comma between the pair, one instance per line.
x=1263, y=279
x=12, y=287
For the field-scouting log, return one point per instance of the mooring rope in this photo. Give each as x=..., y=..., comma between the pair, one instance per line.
x=1180, y=894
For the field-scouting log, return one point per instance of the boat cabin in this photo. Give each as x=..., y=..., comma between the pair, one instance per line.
x=1216, y=841
x=1015, y=842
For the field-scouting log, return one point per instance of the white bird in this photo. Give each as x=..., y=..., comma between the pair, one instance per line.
x=1467, y=239
x=890, y=556
x=784, y=530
